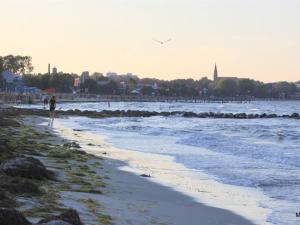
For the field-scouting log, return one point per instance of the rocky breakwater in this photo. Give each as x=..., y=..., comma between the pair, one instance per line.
x=142, y=113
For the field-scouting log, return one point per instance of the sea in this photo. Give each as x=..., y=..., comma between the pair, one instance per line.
x=262, y=155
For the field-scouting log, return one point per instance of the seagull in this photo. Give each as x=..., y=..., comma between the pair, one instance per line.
x=162, y=42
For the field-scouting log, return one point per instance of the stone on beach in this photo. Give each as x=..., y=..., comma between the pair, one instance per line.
x=70, y=216
x=18, y=185
x=12, y=217
x=6, y=199
x=27, y=167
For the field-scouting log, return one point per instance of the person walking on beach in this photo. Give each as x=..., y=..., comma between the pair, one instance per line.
x=52, y=106
x=46, y=102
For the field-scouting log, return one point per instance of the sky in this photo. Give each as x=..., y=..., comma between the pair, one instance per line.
x=258, y=39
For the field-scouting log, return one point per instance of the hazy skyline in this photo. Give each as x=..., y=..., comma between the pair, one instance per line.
x=258, y=39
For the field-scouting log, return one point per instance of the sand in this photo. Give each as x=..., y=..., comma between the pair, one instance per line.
x=135, y=200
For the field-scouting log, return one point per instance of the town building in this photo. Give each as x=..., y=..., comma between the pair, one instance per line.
x=96, y=76
x=84, y=76
x=15, y=83
x=54, y=70
x=218, y=78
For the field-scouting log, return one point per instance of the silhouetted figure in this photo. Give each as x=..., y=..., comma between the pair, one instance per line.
x=46, y=102
x=52, y=106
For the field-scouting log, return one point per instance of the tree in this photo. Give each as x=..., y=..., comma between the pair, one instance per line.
x=246, y=87
x=62, y=82
x=147, y=90
x=91, y=85
x=226, y=87
x=16, y=64
x=132, y=84
x=283, y=89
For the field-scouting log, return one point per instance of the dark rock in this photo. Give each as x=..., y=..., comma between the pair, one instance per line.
x=18, y=185
x=211, y=114
x=295, y=115
x=28, y=167
x=256, y=115
x=264, y=115
x=271, y=116
x=70, y=216
x=219, y=115
x=6, y=199
x=12, y=217
x=240, y=116
x=189, y=114
x=250, y=116
x=146, y=175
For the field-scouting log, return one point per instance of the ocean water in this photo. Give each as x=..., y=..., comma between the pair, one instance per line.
x=263, y=154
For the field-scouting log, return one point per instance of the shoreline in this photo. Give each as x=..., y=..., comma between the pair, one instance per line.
x=99, y=188
x=239, y=200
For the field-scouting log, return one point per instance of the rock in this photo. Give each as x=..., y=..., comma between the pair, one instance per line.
x=189, y=114
x=272, y=116
x=6, y=199
x=146, y=175
x=70, y=216
x=18, y=185
x=250, y=116
x=240, y=116
x=264, y=115
x=295, y=115
x=56, y=222
x=25, y=167
x=12, y=217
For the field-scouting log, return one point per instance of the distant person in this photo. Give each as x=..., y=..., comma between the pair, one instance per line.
x=52, y=106
x=46, y=102
x=108, y=104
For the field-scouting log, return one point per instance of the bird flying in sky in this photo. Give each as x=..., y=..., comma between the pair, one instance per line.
x=162, y=42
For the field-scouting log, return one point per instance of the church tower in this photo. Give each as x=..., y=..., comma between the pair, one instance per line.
x=216, y=73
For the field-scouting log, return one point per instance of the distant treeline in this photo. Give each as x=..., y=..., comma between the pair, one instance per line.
x=64, y=83
x=181, y=87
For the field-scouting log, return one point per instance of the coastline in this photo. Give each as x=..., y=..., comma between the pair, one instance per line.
x=240, y=201
x=101, y=191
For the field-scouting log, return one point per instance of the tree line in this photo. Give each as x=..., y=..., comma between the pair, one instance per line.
x=64, y=82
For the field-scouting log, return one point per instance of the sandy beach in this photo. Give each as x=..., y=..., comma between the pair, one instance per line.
x=99, y=183
x=131, y=199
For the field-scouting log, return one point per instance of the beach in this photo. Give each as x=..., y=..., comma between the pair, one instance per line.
x=170, y=170
x=117, y=197
x=132, y=199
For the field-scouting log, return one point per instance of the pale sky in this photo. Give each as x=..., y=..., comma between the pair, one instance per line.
x=259, y=39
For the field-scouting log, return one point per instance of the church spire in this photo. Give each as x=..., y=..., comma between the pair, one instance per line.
x=216, y=73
